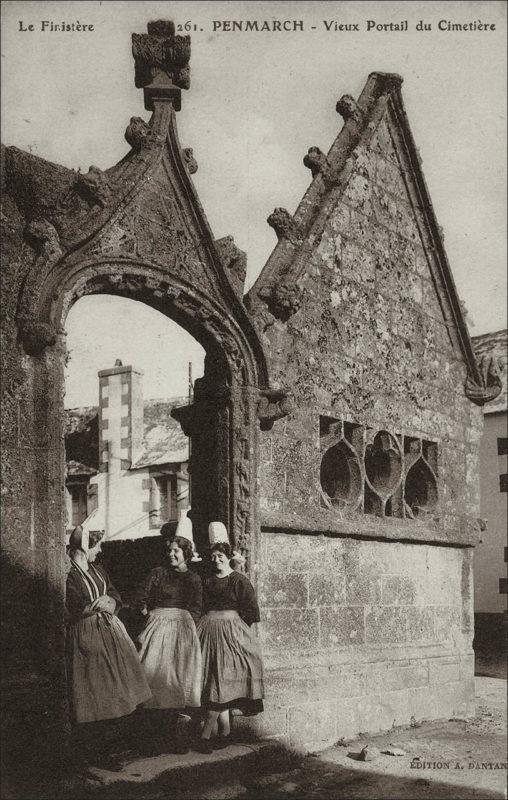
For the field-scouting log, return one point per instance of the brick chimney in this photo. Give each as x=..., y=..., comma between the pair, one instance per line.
x=120, y=417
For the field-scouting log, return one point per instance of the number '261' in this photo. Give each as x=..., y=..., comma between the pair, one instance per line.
x=186, y=26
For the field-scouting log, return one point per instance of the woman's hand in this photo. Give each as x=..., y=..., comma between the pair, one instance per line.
x=104, y=603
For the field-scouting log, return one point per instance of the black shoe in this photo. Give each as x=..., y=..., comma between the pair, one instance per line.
x=221, y=742
x=203, y=746
x=179, y=749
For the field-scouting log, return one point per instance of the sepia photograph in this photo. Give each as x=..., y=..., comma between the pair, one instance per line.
x=254, y=400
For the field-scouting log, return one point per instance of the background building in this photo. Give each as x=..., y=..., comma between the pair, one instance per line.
x=126, y=460
x=491, y=554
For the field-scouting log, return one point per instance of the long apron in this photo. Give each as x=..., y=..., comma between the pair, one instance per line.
x=232, y=666
x=171, y=658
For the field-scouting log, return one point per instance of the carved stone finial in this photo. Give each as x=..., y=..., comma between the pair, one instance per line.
x=35, y=335
x=234, y=260
x=190, y=161
x=139, y=134
x=273, y=405
x=315, y=160
x=94, y=186
x=318, y=164
x=348, y=108
x=282, y=301
x=491, y=382
x=285, y=226
x=161, y=62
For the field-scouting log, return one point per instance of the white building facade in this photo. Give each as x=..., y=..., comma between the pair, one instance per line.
x=130, y=475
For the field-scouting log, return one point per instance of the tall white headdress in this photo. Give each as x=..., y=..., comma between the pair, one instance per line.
x=217, y=533
x=184, y=529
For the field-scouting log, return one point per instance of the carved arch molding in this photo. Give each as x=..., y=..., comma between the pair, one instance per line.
x=138, y=231
x=231, y=401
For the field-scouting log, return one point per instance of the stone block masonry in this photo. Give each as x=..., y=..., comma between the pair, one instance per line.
x=359, y=636
x=374, y=619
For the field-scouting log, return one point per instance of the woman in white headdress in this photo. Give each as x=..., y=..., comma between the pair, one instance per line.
x=106, y=680
x=232, y=666
x=171, y=597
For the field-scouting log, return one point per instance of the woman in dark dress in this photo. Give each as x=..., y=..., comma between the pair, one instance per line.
x=232, y=666
x=106, y=680
x=169, y=647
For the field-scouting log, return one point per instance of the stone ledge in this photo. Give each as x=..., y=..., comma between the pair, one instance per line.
x=324, y=523
x=394, y=656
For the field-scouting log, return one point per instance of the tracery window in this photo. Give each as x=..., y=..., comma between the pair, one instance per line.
x=375, y=471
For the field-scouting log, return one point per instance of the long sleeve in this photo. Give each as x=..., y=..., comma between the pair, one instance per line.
x=110, y=589
x=195, y=596
x=247, y=604
x=75, y=598
x=143, y=594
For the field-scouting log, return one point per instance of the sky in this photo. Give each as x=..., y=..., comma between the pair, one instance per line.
x=257, y=102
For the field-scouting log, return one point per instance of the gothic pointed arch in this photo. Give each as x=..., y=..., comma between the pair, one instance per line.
x=138, y=230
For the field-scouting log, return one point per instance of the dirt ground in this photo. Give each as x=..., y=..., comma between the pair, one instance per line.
x=453, y=759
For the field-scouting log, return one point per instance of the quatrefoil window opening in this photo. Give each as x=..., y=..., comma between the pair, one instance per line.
x=376, y=472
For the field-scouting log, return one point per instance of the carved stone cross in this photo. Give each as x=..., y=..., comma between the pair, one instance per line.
x=161, y=63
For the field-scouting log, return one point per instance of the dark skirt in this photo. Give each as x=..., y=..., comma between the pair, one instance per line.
x=232, y=666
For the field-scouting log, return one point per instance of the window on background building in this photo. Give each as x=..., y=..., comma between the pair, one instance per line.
x=502, y=446
x=78, y=494
x=92, y=497
x=503, y=482
x=162, y=500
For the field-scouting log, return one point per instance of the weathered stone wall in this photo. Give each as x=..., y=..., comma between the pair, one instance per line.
x=362, y=635
x=33, y=525
x=370, y=343
x=346, y=620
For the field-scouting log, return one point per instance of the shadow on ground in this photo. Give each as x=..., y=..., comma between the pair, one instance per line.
x=449, y=759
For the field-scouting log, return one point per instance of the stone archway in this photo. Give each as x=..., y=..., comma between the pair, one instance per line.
x=229, y=405
x=136, y=230
x=222, y=421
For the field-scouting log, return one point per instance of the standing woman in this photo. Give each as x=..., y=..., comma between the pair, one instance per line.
x=106, y=680
x=172, y=596
x=232, y=666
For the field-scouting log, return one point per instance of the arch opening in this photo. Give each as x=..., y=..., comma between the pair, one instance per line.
x=126, y=457
x=134, y=462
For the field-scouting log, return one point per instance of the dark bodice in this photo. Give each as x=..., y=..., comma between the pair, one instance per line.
x=78, y=596
x=165, y=588
x=234, y=592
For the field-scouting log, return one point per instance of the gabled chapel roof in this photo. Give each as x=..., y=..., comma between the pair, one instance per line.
x=298, y=234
